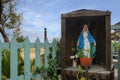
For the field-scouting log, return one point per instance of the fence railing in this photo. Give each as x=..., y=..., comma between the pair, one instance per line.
x=13, y=46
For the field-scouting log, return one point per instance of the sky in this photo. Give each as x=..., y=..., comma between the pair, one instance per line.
x=40, y=14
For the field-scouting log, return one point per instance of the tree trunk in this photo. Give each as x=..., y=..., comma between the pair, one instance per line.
x=3, y=33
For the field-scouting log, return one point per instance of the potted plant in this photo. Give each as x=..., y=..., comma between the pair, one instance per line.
x=84, y=60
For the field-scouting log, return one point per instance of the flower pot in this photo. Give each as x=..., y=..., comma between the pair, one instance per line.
x=86, y=62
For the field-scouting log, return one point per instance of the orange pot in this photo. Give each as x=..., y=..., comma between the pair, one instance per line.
x=86, y=62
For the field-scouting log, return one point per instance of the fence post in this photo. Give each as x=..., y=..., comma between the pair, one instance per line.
x=112, y=54
x=46, y=55
x=46, y=52
x=27, y=59
x=119, y=64
x=37, y=56
x=13, y=60
x=54, y=50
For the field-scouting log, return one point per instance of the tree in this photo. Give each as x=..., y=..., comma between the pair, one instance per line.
x=9, y=19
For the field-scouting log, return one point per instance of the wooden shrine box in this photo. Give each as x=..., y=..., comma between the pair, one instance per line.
x=99, y=26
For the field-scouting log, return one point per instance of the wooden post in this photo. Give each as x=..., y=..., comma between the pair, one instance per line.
x=108, y=42
x=45, y=34
x=63, y=58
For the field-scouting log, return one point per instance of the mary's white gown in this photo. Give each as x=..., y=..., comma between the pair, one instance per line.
x=86, y=45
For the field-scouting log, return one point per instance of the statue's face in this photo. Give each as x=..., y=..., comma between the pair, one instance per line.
x=85, y=28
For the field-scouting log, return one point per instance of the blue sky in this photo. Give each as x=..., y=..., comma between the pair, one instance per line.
x=40, y=14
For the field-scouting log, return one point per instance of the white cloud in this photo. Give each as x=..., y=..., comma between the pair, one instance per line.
x=40, y=14
x=34, y=24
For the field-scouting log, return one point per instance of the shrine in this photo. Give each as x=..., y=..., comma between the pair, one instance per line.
x=99, y=24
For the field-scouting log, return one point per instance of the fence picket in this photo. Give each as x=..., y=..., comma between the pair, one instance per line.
x=27, y=59
x=13, y=60
x=54, y=50
x=112, y=53
x=37, y=56
x=46, y=50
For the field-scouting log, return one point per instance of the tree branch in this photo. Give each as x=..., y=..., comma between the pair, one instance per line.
x=3, y=33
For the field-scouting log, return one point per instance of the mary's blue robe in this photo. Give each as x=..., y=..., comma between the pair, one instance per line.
x=81, y=39
x=90, y=39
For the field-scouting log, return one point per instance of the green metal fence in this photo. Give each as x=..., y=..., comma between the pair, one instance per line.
x=115, y=48
x=13, y=46
x=114, y=55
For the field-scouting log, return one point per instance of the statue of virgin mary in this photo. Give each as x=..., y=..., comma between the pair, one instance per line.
x=85, y=40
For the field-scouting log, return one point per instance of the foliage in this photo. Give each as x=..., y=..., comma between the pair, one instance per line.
x=80, y=52
x=51, y=72
x=20, y=39
x=10, y=20
x=79, y=74
x=40, y=70
x=20, y=63
x=116, y=45
x=6, y=63
x=92, y=51
x=119, y=46
x=52, y=68
x=4, y=77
